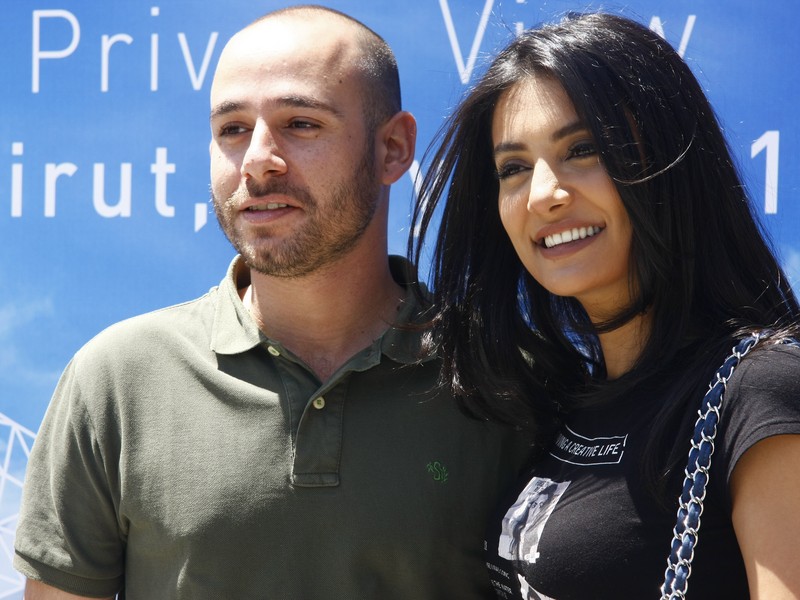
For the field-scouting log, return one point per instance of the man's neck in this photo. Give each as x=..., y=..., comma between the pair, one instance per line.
x=328, y=316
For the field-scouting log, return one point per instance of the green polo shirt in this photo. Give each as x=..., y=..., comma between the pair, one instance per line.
x=186, y=455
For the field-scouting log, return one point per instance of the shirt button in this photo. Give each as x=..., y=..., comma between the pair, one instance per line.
x=319, y=403
x=273, y=350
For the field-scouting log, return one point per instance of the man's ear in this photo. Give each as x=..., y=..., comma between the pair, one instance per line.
x=395, y=153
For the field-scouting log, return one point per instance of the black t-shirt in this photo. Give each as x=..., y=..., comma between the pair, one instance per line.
x=581, y=523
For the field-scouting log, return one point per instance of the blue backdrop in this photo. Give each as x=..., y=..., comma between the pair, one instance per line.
x=104, y=202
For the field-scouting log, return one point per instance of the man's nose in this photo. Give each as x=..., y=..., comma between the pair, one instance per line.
x=263, y=157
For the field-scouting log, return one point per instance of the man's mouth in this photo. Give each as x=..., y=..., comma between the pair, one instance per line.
x=266, y=206
x=570, y=235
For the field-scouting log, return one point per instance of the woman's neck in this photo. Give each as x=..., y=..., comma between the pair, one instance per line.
x=623, y=346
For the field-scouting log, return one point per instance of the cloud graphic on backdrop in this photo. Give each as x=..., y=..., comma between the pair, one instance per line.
x=15, y=439
x=14, y=316
x=15, y=447
x=14, y=321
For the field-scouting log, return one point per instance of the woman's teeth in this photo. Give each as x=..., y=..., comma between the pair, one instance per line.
x=570, y=235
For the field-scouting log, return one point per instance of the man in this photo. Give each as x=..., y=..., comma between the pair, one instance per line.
x=279, y=437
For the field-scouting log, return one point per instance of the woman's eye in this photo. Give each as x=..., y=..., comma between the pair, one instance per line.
x=509, y=170
x=582, y=149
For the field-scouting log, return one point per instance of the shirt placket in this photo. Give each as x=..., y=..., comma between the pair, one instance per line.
x=315, y=418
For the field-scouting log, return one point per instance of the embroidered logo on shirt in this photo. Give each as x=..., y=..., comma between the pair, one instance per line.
x=438, y=470
x=573, y=448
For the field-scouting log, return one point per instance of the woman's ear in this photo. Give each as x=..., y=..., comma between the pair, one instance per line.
x=397, y=138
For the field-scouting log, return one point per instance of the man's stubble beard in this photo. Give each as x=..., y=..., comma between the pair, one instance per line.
x=322, y=238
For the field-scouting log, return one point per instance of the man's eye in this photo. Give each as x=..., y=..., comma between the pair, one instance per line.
x=301, y=124
x=231, y=130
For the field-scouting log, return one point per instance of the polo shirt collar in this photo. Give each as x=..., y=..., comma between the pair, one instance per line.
x=234, y=330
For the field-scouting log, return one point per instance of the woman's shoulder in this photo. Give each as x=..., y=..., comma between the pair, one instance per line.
x=762, y=399
x=770, y=364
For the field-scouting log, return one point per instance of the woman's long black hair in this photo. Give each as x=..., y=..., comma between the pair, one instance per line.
x=701, y=267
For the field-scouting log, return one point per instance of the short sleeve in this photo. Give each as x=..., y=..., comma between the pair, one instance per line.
x=68, y=534
x=762, y=400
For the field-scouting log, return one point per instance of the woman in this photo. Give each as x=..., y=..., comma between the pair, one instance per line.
x=597, y=258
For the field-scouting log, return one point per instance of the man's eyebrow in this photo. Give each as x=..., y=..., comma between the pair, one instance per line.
x=223, y=108
x=296, y=101
x=308, y=102
x=557, y=135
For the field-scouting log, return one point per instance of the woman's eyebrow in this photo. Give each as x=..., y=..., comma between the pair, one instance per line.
x=557, y=135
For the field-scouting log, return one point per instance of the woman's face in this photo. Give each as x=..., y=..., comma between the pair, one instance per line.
x=558, y=205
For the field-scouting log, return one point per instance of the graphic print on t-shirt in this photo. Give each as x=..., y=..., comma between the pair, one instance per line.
x=524, y=522
x=573, y=448
x=529, y=593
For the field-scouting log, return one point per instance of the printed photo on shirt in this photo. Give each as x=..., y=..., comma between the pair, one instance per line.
x=529, y=593
x=524, y=522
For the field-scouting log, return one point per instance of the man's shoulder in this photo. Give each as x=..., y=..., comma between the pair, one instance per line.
x=152, y=332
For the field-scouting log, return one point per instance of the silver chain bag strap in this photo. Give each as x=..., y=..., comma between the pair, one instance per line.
x=690, y=502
